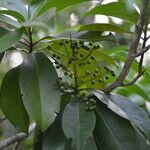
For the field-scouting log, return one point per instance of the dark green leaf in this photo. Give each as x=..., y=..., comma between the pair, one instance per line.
x=41, y=96
x=116, y=9
x=11, y=101
x=54, y=138
x=90, y=144
x=103, y=27
x=116, y=133
x=77, y=123
x=10, y=39
x=127, y=109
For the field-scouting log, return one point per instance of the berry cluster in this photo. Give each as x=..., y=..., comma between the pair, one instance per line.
x=89, y=102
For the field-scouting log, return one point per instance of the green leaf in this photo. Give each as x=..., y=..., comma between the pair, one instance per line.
x=77, y=123
x=41, y=96
x=116, y=133
x=54, y=138
x=11, y=101
x=103, y=27
x=116, y=9
x=14, y=14
x=1, y=56
x=10, y=39
x=93, y=36
x=59, y=5
x=90, y=144
x=127, y=109
x=15, y=5
x=3, y=31
x=10, y=21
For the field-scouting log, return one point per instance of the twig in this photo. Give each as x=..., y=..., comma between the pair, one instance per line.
x=16, y=138
x=132, y=50
x=144, y=50
x=24, y=43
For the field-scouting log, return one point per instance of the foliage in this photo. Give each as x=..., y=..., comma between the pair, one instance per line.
x=61, y=82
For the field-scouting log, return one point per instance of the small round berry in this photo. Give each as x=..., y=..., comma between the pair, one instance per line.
x=58, y=57
x=61, y=43
x=58, y=66
x=92, y=57
x=83, y=94
x=96, y=71
x=54, y=55
x=88, y=62
x=92, y=82
x=81, y=55
x=90, y=44
x=106, y=77
x=106, y=68
x=87, y=73
x=49, y=47
x=65, y=73
x=56, y=62
x=94, y=74
x=100, y=81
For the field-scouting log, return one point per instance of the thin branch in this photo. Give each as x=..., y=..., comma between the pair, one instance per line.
x=132, y=50
x=24, y=43
x=144, y=50
x=133, y=81
x=16, y=138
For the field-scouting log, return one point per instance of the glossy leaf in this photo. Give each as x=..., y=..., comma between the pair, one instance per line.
x=114, y=132
x=11, y=101
x=10, y=39
x=127, y=109
x=41, y=96
x=14, y=14
x=9, y=21
x=46, y=5
x=103, y=27
x=77, y=123
x=116, y=9
x=15, y=5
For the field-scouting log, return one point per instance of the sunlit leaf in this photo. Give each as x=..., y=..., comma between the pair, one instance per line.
x=10, y=39
x=116, y=9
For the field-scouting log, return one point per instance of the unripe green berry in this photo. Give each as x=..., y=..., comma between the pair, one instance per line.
x=106, y=77
x=81, y=55
x=92, y=57
x=61, y=43
x=49, y=47
x=100, y=81
x=65, y=73
x=88, y=62
x=87, y=73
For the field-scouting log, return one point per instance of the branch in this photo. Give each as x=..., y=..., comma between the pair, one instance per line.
x=144, y=50
x=16, y=138
x=132, y=49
